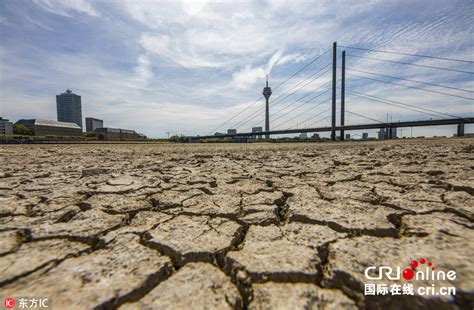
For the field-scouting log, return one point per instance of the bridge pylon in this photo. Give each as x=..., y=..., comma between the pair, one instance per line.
x=333, y=110
x=343, y=92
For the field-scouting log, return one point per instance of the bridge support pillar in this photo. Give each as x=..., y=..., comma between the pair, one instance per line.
x=460, y=130
x=343, y=92
x=333, y=110
x=389, y=133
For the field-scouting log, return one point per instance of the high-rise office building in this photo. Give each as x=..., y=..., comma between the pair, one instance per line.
x=69, y=108
x=93, y=123
x=393, y=132
x=382, y=134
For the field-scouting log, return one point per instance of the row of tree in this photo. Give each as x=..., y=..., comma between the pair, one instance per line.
x=19, y=129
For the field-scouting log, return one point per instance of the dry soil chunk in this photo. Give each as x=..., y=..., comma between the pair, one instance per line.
x=100, y=278
x=462, y=202
x=195, y=286
x=9, y=241
x=196, y=238
x=437, y=223
x=170, y=199
x=143, y=221
x=287, y=253
x=85, y=224
x=282, y=296
x=221, y=204
x=87, y=172
x=118, y=203
x=347, y=215
x=120, y=185
x=33, y=255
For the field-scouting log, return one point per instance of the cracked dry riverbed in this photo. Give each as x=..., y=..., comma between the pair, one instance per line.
x=240, y=226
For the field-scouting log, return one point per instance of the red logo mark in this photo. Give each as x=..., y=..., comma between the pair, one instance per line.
x=9, y=303
x=409, y=273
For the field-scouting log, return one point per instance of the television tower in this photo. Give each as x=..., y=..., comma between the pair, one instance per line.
x=267, y=92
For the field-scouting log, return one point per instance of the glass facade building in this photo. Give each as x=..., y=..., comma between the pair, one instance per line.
x=69, y=108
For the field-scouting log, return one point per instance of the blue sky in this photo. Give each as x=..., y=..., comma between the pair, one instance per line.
x=186, y=66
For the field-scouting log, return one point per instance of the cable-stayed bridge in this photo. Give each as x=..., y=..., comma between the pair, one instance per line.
x=326, y=92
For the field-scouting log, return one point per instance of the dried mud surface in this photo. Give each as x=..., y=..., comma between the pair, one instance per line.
x=261, y=226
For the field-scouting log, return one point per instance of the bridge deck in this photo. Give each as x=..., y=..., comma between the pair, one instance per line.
x=450, y=121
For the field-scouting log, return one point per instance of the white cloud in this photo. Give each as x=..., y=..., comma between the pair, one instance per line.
x=3, y=20
x=143, y=70
x=171, y=51
x=214, y=34
x=193, y=7
x=274, y=59
x=38, y=23
x=293, y=58
x=64, y=7
x=248, y=76
x=157, y=44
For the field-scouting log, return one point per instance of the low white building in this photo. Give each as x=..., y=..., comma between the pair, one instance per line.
x=6, y=127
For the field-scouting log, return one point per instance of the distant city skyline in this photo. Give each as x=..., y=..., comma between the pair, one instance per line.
x=185, y=66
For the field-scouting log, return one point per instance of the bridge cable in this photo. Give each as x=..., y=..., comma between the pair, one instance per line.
x=304, y=112
x=403, y=105
x=295, y=88
x=297, y=107
x=406, y=54
x=411, y=64
x=307, y=65
x=320, y=120
x=407, y=86
x=313, y=116
x=245, y=109
x=414, y=81
x=369, y=118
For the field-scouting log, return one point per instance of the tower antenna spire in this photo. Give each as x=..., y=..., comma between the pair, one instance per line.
x=267, y=80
